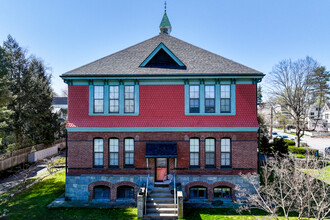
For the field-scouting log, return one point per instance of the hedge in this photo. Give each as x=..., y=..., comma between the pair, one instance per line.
x=300, y=150
x=289, y=142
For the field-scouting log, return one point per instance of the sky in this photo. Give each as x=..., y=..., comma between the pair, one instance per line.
x=257, y=33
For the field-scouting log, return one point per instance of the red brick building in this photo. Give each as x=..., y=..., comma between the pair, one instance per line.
x=161, y=108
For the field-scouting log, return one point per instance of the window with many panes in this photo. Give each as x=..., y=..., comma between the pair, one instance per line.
x=98, y=99
x=210, y=152
x=113, y=152
x=224, y=98
x=225, y=152
x=113, y=99
x=198, y=192
x=129, y=99
x=194, y=99
x=129, y=152
x=98, y=152
x=125, y=192
x=222, y=193
x=194, y=152
x=209, y=99
x=101, y=193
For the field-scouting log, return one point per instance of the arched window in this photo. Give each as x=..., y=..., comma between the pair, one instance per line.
x=194, y=152
x=125, y=192
x=113, y=152
x=210, y=152
x=101, y=193
x=98, y=152
x=225, y=152
x=198, y=192
x=129, y=152
x=222, y=192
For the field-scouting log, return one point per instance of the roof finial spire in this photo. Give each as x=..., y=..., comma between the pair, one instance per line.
x=165, y=25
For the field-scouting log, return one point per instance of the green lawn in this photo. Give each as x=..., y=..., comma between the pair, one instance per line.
x=315, y=173
x=32, y=204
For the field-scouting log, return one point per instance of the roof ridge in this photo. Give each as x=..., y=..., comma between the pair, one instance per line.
x=214, y=53
x=110, y=55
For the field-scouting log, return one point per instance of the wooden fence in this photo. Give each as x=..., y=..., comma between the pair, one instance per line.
x=20, y=156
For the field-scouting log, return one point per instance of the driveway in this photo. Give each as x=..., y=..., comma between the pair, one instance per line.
x=315, y=143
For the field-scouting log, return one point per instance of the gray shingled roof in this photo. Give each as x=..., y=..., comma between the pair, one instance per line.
x=127, y=62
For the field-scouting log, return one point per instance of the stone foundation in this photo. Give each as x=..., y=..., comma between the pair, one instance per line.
x=81, y=187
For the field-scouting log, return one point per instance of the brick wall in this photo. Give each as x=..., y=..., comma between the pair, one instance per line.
x=163, y=106
x=80, y=152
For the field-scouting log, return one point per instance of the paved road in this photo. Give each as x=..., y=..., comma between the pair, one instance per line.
x=36, y=170
x=315, y=143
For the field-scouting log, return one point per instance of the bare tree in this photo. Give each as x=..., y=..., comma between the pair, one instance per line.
x=289, y=185
x=292, y=87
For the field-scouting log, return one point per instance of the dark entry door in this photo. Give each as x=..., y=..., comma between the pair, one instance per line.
x=161, y=169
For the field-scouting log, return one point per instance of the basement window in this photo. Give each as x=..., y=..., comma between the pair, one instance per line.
x=198, y=192
x=125, y=192
x=101, y=193
x=223, y=193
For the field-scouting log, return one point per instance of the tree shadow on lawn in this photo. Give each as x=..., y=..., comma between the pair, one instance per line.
x=220, y=213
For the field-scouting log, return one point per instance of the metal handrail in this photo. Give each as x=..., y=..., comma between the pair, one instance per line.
x=146, y=195
x=174, y=189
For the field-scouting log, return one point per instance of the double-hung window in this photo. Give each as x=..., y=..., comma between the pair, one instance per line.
x=113, y=99
x=194, y=152
x=225, y=152
x=113, y=152
x=194, y=99
x=129, y=152
x=129, y=99
x=209, y=152
x=209, y=99
x=98, y=152
x=98, y=99
x=225, y=99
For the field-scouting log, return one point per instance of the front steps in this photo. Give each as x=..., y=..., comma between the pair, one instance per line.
x=160, y=204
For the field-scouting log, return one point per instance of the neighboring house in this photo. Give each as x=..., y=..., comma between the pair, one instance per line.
x=60, y=106
x=315, y=122
x=161, y=107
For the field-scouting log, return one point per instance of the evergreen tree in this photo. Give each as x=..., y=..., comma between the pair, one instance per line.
x=5, y=97
x=320, y=88
x=280, y=147
x=32, y=120
x=265, y=146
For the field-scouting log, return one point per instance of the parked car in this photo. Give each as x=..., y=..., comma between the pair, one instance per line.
x=327, y=151
x=285, y=137
x=275, y=135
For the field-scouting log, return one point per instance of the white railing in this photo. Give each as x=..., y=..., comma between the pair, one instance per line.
x=146, y=195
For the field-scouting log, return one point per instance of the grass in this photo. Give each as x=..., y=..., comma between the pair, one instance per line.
x=325, y=171
x=32, y=204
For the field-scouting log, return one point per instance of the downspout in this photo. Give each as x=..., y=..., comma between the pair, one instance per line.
x=66, y=152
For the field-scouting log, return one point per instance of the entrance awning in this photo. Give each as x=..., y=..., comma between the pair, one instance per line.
x=161, y=149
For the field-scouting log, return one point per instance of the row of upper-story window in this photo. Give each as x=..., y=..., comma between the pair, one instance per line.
x=194, y=152
x=200, y=99
x=210, y=152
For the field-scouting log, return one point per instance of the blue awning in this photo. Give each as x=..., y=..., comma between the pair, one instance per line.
x=161, y=149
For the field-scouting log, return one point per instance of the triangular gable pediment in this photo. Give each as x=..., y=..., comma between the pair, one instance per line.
x=162, y=57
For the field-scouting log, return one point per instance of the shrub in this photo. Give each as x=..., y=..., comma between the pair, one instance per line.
x=280, y=147
x=289, y=142
x=301, y=150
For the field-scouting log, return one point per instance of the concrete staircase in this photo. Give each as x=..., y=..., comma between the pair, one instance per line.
x=160, y=204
